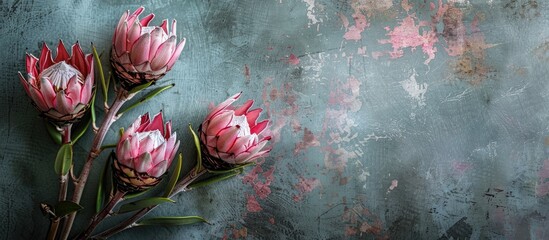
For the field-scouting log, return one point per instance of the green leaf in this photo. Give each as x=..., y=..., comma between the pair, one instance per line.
x=63, y=161
x=216, y=178
x=144, y=203
x=237, y=168
x=174, y=177
x=137, y=194
x=198, y=152
x=101, y=75
x=140, y=87
x=54, y=133
x=171, y=221
x=121, y=132
x=108, y=146
x=64, y=208
x=102, y=185
x=147, y=97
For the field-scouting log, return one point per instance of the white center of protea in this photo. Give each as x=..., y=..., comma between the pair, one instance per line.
x=59, y=75
x=156, y=136
x=242, y=123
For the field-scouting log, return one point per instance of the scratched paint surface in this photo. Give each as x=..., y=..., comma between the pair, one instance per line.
x=392, y=119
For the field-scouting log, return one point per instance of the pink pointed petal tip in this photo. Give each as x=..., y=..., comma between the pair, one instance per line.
x=223, y=105
x=62, y=53
x=156, y=124
x=244, y=108
x=176, y=53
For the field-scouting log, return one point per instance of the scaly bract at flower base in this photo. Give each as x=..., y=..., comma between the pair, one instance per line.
x=144, y=153
x=141, y=53
x=60, y=88
x=231, y=136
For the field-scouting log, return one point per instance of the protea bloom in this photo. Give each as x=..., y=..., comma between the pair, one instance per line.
x=60, y=88
x=142, y=53
x=231, y=137
x=144, y=153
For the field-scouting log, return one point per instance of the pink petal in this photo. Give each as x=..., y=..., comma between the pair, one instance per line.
x=62, y=53
x=219, y=122
x=159, y=153
x=242, y=144
x=227, y=139
x=74, y=89
x=140, y=51
x=147, y=19
x=156, y=124
x=120, y=45
x=124, y=153
x=223, y=105
x=135, y=15
x=78, y=58
x=145, y=120
x=170, y=146
x=176, y=53
x=31, y=65
x=164, y=26
x=45, y=58
x=252, y=116
x=242, y=110
x=132, y=129
x=174, y=28
x=36, y=96
x=172, y=154
x=134, y=147
x=119, y=25
x=146, y=145
x=143, y=163
x=47, y=92
x=158, y=169
x=63, y=104
x=168, y=130
x=86, y=93
x=25, y=83
x=257, y=129
x=156, y=40
x=163, y=54
x=133, y=34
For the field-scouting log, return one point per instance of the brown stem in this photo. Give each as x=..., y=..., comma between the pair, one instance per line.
x=118, y=195
x=121, y=97
x=130, y=222
x=63, y=184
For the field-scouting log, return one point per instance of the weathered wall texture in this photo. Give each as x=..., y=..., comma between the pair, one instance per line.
x=393, y=119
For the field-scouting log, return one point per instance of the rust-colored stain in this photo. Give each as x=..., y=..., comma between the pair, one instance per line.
x=524, y=9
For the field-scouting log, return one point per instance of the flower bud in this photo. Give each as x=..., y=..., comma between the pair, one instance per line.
x=60, y=88
x=144, y=153
x=141, y=53
x=231, y=137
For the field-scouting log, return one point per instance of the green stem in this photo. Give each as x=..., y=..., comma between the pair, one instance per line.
x=130, y=222
x=121, y=97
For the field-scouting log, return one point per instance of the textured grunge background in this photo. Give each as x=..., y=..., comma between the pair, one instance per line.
x=412, y=119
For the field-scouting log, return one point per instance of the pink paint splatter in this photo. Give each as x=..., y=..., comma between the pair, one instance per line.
x=293, y=59
x=261, y=188
x=272, y=220
x=309, y=140
x=354, y=32
x=305, y=186
x=461, y=167
x=252, y=204
x=410, y=35
x=542, y=189
x=394, y=184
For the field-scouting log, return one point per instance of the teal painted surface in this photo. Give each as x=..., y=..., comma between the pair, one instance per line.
x=371, y=142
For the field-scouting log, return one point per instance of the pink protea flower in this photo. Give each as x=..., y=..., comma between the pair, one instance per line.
x=231, y=137
x=144, y=153
x=142, y=53
x=60, y=88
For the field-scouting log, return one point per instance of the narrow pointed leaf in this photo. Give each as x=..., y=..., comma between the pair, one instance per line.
x=144, y=203
x=54, y=134
x=108, y=146
x=92, y=110
x=172, y=221
x=64, y=208
x=215, y=179
x=140, y=87
x=198, y=152
x=63, y=161
x=102, y=185
x=101, y=75
x=137, y=194
x=174, y=177
x=121, y=132
x=147, y=97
